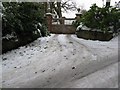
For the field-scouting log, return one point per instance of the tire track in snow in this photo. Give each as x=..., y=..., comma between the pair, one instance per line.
x=67, y=72
x=91, y=66
x=100, y=64
x=50, y=69
x=23, y=69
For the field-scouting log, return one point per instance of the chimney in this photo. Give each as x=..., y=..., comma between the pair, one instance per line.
x=108, y=3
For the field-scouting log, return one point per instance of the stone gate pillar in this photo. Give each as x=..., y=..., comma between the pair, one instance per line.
x=79, y=14
x=49, y=21
x=63, y=20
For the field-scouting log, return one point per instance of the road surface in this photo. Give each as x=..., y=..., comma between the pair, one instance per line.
x=62, y=61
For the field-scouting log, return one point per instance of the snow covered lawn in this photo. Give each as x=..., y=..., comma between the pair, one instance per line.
x=62, y=61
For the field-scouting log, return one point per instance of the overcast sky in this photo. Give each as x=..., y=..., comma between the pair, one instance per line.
x=85, y=4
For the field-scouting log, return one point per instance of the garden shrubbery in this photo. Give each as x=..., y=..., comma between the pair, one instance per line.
x=106, y=19
x=22, y=23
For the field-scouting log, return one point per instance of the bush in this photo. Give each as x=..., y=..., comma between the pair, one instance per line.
x=20, y=22
x=21, y=18
x=105, y=19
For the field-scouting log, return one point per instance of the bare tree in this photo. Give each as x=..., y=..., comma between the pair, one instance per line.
x=68, y=5
x=64, y=5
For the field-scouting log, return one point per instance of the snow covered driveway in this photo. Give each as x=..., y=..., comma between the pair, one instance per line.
x=62, y=61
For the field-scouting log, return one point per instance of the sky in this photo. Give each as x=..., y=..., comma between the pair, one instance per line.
x=85, y=4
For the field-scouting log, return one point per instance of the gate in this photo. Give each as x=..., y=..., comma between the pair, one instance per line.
x=65, y=27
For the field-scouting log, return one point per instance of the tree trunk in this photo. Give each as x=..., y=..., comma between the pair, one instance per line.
x=59, y=9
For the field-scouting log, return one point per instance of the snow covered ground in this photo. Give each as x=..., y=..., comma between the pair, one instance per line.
x=62, y=61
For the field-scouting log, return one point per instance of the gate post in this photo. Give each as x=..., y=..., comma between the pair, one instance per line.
x=49, y=21
x=79, y=14
x=63, y=20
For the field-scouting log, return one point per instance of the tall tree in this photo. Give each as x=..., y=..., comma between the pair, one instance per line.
x=64, y=5
x=22, y=18
x=105, y=19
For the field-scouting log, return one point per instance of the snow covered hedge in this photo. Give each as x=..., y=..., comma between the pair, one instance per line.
x=22, y=23
x=105, y=19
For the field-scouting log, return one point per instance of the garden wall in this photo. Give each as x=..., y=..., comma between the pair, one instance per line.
x=94, y=35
